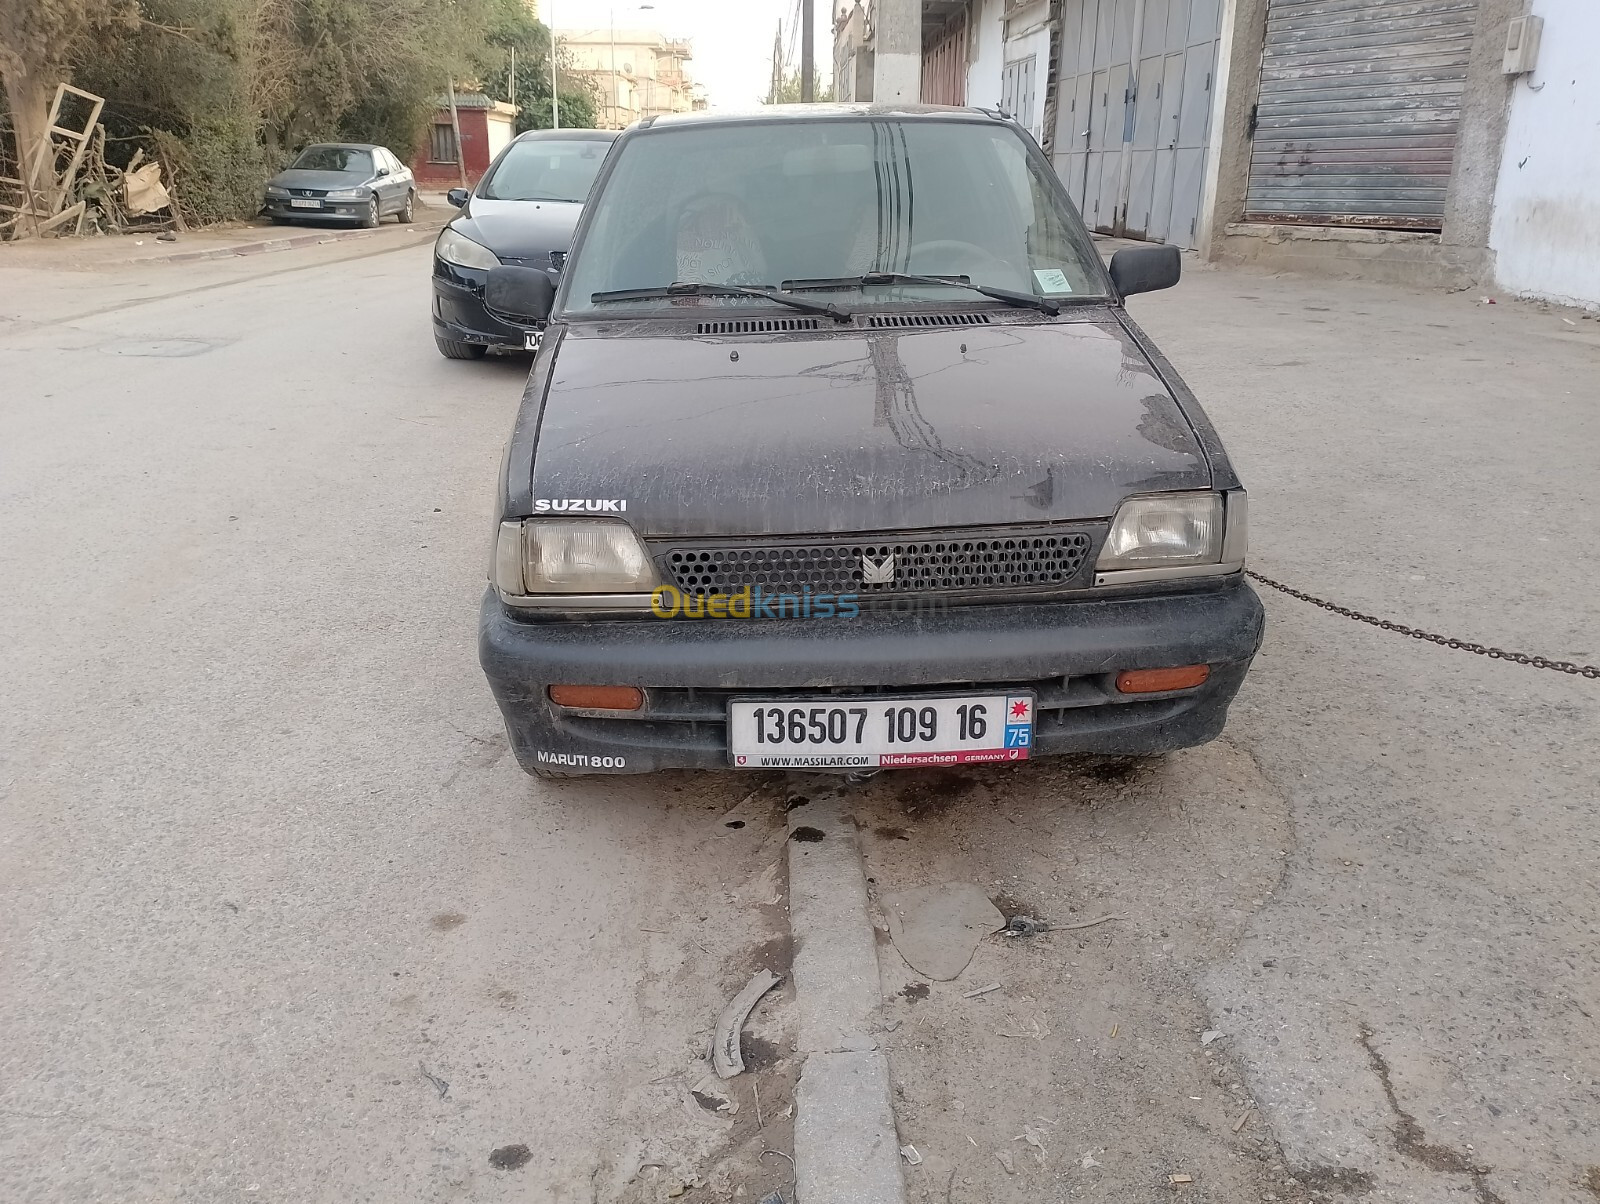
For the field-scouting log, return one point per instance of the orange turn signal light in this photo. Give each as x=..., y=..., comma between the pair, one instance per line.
x=1159, y=681
x=598, y=698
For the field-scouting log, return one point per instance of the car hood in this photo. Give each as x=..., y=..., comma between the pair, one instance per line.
x=860, y=430
x=304, y=178
x=520, y=229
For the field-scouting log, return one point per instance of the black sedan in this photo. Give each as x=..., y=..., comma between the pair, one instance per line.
x=343, y=182
x=523, y=213
x=841, y=452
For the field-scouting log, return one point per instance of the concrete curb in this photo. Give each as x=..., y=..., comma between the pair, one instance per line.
x=845, y=1147
x=268, y=245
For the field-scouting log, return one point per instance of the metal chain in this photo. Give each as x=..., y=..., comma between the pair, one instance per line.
x=1499, y=654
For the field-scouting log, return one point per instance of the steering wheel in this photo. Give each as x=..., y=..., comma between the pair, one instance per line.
x=951, y=257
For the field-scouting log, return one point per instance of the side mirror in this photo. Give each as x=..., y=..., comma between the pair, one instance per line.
x=457, y=196
x=1145, y=269
x=382, y=171
x=524, y=295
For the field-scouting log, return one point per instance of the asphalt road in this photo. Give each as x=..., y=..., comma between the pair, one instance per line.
x=265, y=855
x=268, y=876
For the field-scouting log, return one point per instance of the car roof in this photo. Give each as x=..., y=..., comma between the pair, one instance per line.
x=345, y=145
x=568, y=135
x=825, y=112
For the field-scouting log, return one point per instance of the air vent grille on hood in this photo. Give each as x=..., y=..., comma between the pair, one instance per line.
x=757, y=325
x=929, y=320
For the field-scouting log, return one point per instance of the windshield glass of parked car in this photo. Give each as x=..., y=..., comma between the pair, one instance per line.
x=793, y=203
x=546, y=170
x=334, y=158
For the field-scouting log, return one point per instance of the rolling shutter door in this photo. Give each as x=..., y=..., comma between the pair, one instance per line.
x=1358, y=110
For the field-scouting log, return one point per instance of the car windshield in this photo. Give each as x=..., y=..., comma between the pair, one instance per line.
x=817, y=205
x=546, y=170
x=334, y=158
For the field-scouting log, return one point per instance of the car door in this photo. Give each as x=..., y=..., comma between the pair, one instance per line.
x=401, y=178
x=389, y=183
x=404, y=180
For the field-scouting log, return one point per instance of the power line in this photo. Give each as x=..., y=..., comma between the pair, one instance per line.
x=794, y=30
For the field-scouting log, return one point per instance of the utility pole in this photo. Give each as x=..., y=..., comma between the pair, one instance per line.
x=808, y=51
x=455, y=124
x=555, y=86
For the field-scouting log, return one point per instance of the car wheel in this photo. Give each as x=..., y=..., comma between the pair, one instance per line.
x=373, y=215
x=408, y=212
x=452, y=350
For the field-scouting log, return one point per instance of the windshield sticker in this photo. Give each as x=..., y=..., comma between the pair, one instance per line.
x=1052, y=280
x=579, y=505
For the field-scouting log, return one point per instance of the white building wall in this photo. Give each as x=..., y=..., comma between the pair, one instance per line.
x=499, y=131
x=897, y=51
x=1545, y=232
x=987, y=55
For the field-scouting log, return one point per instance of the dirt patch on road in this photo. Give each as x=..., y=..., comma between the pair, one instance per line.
x=1093, y=1071
x=719, y=916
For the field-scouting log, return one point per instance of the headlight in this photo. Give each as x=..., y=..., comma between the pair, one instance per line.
x=1164, y=530
x=348, y=194
x=560, y=556
x=463, y=252
x=274, y=190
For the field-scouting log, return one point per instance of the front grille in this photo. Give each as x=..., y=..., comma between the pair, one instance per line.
x=985, y=560
x=308, y=192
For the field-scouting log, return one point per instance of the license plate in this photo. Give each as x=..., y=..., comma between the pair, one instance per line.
x=298, y=203
x=879, y=733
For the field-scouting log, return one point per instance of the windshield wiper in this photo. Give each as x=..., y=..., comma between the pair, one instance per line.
x=1010, y=297
x=692, y=289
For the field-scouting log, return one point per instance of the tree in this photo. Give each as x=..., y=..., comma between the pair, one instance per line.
x=38, y=41
x=361, y=69
x=512, y=28
x=789, y=93
x=180, y=85
x=224, y=90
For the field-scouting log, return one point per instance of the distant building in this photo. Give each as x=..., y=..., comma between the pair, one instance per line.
x=637, y=73
x=487, y=127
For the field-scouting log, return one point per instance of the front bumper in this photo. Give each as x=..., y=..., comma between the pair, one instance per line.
x=458, y=312
x=331, y=211
x=1067, y=653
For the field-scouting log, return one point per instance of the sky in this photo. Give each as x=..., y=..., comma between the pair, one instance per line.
x=732, y=38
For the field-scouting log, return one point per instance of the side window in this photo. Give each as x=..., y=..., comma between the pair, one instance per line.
x=442, y=144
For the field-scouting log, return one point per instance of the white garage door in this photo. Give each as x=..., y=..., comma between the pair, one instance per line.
x=1131, y=143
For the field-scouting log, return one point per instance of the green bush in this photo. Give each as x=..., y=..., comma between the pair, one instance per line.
x=217, y=169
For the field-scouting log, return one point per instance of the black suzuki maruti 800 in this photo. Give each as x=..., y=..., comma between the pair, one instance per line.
x=841, y=452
